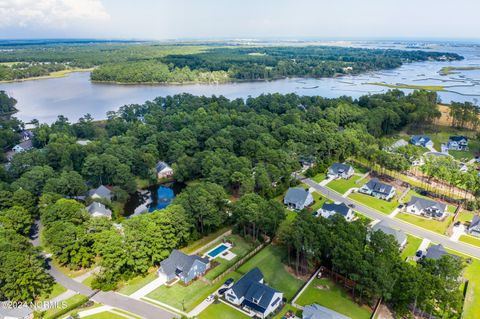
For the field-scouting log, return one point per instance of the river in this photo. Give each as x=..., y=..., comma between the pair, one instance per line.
x=74, y=95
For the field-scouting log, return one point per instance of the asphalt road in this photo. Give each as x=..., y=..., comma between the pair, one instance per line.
x=394, y=222
x=115, y=300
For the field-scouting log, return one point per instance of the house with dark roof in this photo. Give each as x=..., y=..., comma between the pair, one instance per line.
x=438, y=251
x=378, y=189
x=399, y=235
x=23, y=146
x=457, y=143
x=26, y=135
x=163, y=170
x=297, y=198
x=340, y=170
x=100, y=192
x=252, y=294
x=426, y=207
x=474, y=227
x=22, y=312
x=96, y=209
x=318, y=312
x=421, y=140
x=330, y=209
x=182, y=266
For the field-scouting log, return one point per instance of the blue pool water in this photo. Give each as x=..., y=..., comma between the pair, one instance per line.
x=217, y=251
x=165, y=195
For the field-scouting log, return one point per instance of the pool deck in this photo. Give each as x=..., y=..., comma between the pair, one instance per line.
x=225, y=254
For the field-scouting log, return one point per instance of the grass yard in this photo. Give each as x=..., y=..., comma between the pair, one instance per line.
x=203, y=241
x=343, y=185
x=57, y=290
x=269, y=260
x=105, y=315
x=221, y=310
x=430, y=224
x=379, y=204
x=288, y=307
x=333, y=297
x=472, y=299
x=132, y=285
x=412, y=245
x=411, y=193
x=319, y=200
x=241, y=248
x=465, y=216
x=69, y=272
x=55, y=312
x=319, y=177
x=185, y=298
x=470, y=240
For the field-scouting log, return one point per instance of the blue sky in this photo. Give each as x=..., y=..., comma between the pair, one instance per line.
x=180, y=19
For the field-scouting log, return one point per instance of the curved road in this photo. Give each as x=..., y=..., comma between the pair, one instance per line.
x=395, y=223
x=115, y=300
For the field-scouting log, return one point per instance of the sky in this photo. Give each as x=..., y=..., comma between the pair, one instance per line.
x=212, y=19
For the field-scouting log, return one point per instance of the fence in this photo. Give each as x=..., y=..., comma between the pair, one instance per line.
x=239, y=263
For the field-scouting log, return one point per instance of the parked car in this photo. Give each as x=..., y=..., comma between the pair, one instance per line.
x=210, y=298
x=419, y=253
x=229, y=282
x=400, y=206
x=457, y=224
x=351, y=205
x=222, y=291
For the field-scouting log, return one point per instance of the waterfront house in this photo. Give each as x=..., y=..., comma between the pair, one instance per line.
x=252, y=294
x=163, y=170
x=183, y=267
x=328, y=210
x=378, y=189
x=298, y=198
x=96, y=209
x=426, y=207
x=340, y=170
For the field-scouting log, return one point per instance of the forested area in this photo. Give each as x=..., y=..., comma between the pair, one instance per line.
x=145, y=62
x=223, y=149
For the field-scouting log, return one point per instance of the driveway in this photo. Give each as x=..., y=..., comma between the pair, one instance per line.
x=395, y=223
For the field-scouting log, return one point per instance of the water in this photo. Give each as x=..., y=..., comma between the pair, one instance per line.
x=217, y=251
x=74, y=95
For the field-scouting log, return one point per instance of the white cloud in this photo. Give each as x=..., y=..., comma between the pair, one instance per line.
x=50, y=13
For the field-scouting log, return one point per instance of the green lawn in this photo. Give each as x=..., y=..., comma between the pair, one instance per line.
x=472, y=299
x=57, y=290
x=430, y=224
x=269, y=260
x=470, y=240
x=319, y=200
x=465, y=216
x=204, y=241
x=319, y=177
x=54, y=312
x=288, y=307
x=411, y=193
x=132, y=285
x=412, y=245
x=185, y=298
x=343, y=185
x=379, y=204
x=334, y=297
x=105, y=315
x=241, y=247
x=222, y=311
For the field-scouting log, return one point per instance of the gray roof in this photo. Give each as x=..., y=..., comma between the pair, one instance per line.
x=423, y=203
x=436, y=252
x=475, y=221
x=26, y=145
x=99, y=208
x=296, y=195
x=161, y=166
x=20, y=312
x=250, y=288
x=101, y=191
x=318, y=312
x=181, y=262
x=385, y=228
x=341, y=208
x=375, y=185
x=340, y=168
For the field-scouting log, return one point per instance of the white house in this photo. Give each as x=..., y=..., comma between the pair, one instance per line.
x=378, y=189
x=96, y=209
x=457, y=143
x=15, y=313
x=422, y=140
x=252, y=294
x=340, y=170
x=163, y=170
x=23, y=146
x=298, y=198
x=426, y=207
x=328, y=210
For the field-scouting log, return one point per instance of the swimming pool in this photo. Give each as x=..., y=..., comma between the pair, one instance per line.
x=217, y=251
